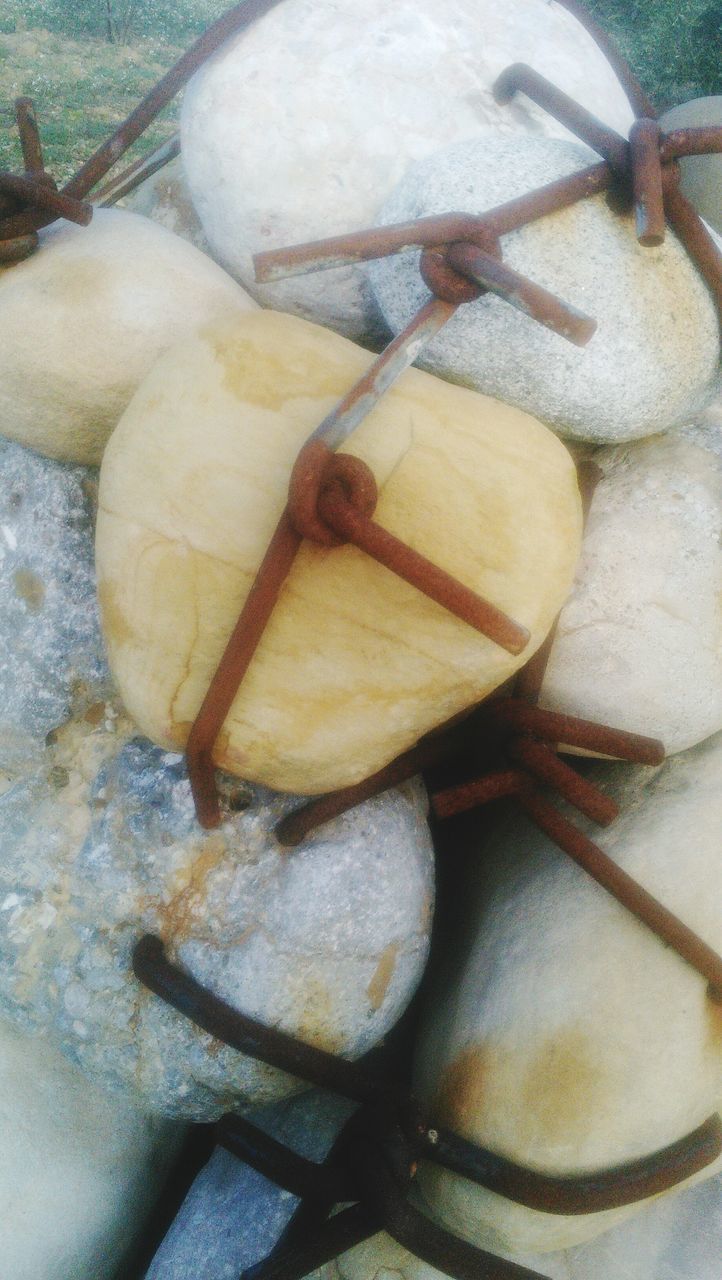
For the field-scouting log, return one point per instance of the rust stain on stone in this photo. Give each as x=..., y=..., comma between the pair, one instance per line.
x=384, y=972
x=30, y=588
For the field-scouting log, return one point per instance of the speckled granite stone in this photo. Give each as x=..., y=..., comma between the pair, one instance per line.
x=654, y=359
x=232, y=1217
x=51, y=654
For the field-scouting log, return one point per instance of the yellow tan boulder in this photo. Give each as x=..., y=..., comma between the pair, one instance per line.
x=355, y=664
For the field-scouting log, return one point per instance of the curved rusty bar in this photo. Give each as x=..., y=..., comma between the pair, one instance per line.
x=638, y=100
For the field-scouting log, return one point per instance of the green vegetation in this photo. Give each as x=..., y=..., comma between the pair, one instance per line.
x=86, y=63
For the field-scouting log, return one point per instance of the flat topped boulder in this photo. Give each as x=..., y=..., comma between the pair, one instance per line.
x=355, y=664
x=654, y=358
x=300, y=127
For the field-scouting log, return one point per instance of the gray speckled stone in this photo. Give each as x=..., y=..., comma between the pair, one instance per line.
x=51, y=663
x=232, y=1217
x=100, y=844
x=653, y=360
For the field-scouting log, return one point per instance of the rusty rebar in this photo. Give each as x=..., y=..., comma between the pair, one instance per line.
x=644, y=155
x=638, y=100
x=553, y=726
x=124, y=183
x=520, y=78
x=543, y=764
x=697, y=240
x=42, y=196
x=701, y=141
x=30, y=143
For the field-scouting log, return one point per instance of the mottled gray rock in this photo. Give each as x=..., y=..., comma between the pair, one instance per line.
x=79, y=1171
x=639, y=642
x=701, y=175
x=232, y=1217
x=677, y=1238
x=563, y=1033
x=165, y=198
x=653, y=360
x=51, y=652
x=100, y=844
x=300, y=127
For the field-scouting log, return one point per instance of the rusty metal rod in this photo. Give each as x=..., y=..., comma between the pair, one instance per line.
x=688, y=226
x=42, y=196
x=520, y=78
x=552, y=726
x=542, y=763
x=639, y=102
x=701, y=141
x=631, y=895
x=30, y=143
x=644, y=140
x=415, y=569
x=18, y=248
x=521, y=293
x=469, y=795
x=132, y=177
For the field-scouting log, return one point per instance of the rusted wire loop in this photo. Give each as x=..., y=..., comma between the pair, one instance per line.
x=317, y=471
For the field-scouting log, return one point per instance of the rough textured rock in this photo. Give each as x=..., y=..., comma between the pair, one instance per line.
x=676, y=1238
x=101, y=303
x=337, y=99
x=166, y=199
x=701, y=175
x=563, y=1033
x=654, y=357
x=232, y=1217
x=51, y=652
x=100, y=845
x=355, y=664
x=80, y=1169
x=639, y=643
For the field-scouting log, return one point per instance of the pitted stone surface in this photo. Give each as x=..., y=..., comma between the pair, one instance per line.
x=639, y=642
x=563, y=1034
x=100, y=845
x=232, y=1217
x=79, y=1171
x=51, y=651
x=336, y=99
x=654, y=359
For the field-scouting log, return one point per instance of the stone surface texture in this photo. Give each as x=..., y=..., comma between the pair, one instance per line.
x=654, y=358
x=80, y=1169
x=51, y=655
x=166, y=199
x=232, y=1216
x=639, y=642
x=84, y=319
x=300, y=128
x=563, y=1034
x=701, y=175
x=355, y=664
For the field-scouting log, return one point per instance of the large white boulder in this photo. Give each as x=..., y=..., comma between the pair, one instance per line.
x=300, y=127
x=84, y=319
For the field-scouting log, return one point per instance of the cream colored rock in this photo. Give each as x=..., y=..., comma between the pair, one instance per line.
x=639, y=642
x=300, y=127
x=80, y=1169
x=84, y=319
x=355, y=664
x=166, y=199
x=563, y=1034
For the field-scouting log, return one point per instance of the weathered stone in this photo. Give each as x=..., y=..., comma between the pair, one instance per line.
x=677, y=1238
x=654, y=357
x=563, y=1034
x=639, y=642
x=100, y=844
x=232, y=1217
x=84, y=319
x=51, y=651
x=80, y=1169
x=166, y=199
x=300, y=127
x=355, y=664
x=701, y=175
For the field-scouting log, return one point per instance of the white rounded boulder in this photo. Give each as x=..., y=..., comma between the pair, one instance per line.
x=300, y=127
x=84, y=319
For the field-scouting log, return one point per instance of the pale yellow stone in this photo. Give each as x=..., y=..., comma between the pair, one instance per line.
x=355, y=664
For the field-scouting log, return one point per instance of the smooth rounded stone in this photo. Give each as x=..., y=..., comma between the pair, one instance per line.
x=701, y=175
x=101, y=845
x=51, y=651
x=563, y=1034
x=639, y=642
x=335, y=99
x=676, y=1238
x=654, y=358
x=232, y=1216
x=355, y=664
x=166, y=199
x=84, y=319
x=80, y=1168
